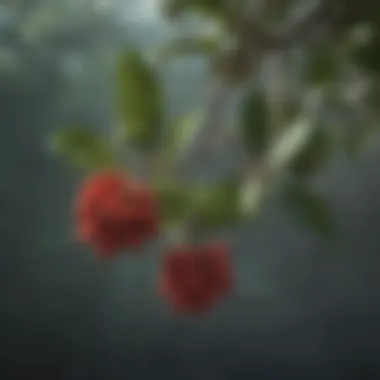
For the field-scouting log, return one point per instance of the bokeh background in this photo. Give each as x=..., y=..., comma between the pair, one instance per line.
x=304, y=310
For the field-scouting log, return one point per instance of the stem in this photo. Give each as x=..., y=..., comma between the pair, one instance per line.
x=118, y=143
x=208, y=134
x=254, y=42
x=274, y=88
x=321, y=13
x=210, y=129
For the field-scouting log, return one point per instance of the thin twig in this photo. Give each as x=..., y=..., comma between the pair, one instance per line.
x=214, y=117
x=253, y=39
x=259, y=38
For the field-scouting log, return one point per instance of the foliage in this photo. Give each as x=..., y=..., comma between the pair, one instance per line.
x=314, y=154
x=310, y=209
x=255, y=123
x=218, y=205
x=138, y=101
x=310, y=63
x=82, y=148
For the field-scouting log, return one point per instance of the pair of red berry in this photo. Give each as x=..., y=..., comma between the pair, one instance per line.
x=113, y=212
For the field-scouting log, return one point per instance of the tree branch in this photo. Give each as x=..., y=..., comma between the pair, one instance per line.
x=253, y=41
x=260, y=39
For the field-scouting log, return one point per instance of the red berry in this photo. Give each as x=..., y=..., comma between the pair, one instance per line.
x=194, y=279
x=113, y=212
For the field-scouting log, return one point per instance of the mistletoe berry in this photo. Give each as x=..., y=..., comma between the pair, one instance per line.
x=113, y=212
x=194, y=279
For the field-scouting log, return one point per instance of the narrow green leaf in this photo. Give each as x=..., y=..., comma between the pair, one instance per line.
x=251, y=196
x=367, y=56
x=209, y=7
x=288, y=146
x=182, y=133
x=313, y=155
x=175, y=201
x=255, y=123
x=139, y=101
x=82, y=148
x=218, y=206
x=323, y=68
x=310, y=209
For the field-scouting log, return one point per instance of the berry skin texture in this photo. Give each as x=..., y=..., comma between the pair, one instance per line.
x=195, y=279
x=114, y=212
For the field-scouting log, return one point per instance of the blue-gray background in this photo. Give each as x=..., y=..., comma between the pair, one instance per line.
x=305, y=311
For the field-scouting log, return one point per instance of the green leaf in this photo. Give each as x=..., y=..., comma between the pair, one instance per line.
x=82, y=148
x=288, y=146
x=183, y=133
x=219, y=205
x=368, y=56
x=175, y=201
x=323, y=68
x=209, y=7
x=139, y=101
x=251, y=196
x=310, y=209
x=255, y=123
x=313, y=155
